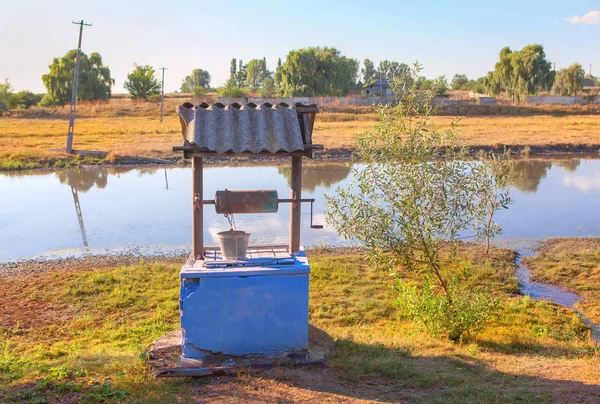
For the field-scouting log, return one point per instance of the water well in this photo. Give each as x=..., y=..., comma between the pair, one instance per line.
x=257, y=302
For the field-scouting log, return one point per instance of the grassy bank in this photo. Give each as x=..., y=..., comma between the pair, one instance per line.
x=24, y=141
x=79, y=335
x=574, y=264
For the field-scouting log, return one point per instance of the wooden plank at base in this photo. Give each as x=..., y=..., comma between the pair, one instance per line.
x=225, y=371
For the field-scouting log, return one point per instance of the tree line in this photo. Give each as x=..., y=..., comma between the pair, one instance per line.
x=312, y=71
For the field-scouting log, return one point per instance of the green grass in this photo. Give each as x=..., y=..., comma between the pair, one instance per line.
x=82, y=336
x=573, y=263
x=26, y=160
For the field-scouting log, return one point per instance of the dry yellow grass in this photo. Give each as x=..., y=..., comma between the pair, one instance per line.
x=28, y=138
x=538, y=130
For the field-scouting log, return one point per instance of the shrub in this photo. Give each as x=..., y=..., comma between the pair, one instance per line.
x=420, y=190
x=230, y=90
x=469, y=310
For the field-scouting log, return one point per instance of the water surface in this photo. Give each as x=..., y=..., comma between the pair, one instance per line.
x=69, y=212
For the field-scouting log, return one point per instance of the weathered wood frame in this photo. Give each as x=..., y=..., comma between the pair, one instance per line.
x=306, y=119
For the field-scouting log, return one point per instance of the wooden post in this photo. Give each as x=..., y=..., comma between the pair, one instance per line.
x=197, y=209
x=69, y=148
x=295, y=207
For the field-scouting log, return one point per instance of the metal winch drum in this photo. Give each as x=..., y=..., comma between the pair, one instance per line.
x=234, y=244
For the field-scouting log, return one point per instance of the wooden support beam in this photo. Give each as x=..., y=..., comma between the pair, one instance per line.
x=197, y=209
x=295, y=207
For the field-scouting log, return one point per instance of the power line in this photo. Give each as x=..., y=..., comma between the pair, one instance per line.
x=162, y=93
x=69, y=148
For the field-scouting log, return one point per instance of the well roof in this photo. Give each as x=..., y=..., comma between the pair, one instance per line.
x=236, y=128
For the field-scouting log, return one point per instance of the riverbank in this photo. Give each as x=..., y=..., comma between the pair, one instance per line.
x=25, y=142
x=574, y=264
x=78, y=330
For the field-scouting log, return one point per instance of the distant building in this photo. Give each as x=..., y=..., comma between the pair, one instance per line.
x=379, y=87
x=589, y=84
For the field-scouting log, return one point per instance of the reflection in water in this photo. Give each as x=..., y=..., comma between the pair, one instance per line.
x=83, y=179
x=318, y=175
x=132, y=208
x=526, y=175
x=569, y=165
x=79, y=215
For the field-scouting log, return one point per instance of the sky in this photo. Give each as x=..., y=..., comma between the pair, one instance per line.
x=446, y=37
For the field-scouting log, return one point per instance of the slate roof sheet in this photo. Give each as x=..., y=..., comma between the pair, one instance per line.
x=242, y=128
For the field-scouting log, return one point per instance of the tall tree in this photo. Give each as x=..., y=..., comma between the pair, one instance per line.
x=240, y=76
x=6, y=96
x=232, y=69
x=569, y=81
x=278, y=74
x=523, y=72
x=368, y=72
x=141, y=82
x=196, y=83
x=256, y=73
x=317, y=71
x=392, y=70
x=95, y=81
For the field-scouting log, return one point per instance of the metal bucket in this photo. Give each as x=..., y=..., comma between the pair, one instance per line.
x=234, y=244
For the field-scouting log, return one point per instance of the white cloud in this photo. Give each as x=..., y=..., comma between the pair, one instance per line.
x=593, y=17
x=582, y=182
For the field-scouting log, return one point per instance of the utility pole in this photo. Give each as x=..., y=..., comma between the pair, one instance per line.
x=162, y=93
x=75, y=84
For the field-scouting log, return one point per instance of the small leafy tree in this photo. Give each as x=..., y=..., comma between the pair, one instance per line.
x=418, y=192
x=460, y=82
x=141, y=82
x=196, y=83
x=569, y=81
x=494, y=195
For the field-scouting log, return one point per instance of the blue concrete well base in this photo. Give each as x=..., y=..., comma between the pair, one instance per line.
x=244, y=310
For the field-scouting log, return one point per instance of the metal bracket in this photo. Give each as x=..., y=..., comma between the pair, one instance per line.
x=313, y=226
x=197, y=201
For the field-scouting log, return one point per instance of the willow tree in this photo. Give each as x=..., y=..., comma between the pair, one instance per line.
x=316, y=71
x=569, y=81
x=95, y=81
x=522, y=73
